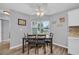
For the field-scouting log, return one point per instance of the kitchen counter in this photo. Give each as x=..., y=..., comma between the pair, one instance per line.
x=73, y=45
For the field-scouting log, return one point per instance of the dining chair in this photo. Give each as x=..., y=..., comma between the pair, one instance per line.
x=31, y=42
x=48, y=40
x=41, y=41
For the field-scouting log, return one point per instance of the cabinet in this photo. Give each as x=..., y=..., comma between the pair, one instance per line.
x=73, y=46
x=73, y=18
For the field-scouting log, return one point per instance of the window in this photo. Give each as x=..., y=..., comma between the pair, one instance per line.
x=41, y=27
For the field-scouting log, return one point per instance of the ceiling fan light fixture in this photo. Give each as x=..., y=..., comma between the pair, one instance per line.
x=38, y=13
x=42, y=14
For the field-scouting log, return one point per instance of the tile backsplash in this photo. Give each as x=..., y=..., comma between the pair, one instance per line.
x=74, y=31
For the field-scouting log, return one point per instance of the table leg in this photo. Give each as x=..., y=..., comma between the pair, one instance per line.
x=35, y=48
x=23, y=46
x=28, y=47
x=51, y=45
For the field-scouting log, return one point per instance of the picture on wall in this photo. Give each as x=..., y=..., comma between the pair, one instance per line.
x=62, y=19
x=22, y=22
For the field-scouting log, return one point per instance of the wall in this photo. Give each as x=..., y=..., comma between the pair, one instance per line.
x=61, y=31
x=4, y=17
x=16, y=31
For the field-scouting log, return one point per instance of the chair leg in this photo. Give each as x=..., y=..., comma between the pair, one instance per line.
x=51, y=48
x=28, y=48
x=35, y=48
x=44, y=49
x=25, y=44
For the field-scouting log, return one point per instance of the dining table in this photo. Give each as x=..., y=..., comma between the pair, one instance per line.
x=47, y=39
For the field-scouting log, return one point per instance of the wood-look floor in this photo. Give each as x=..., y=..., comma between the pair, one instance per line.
x=4, y=50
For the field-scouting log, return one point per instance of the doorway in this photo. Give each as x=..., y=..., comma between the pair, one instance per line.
x=5, y=30
x=4, y=35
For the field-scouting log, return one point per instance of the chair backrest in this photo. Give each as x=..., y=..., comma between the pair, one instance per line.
x=41, y=36
x=31, y=36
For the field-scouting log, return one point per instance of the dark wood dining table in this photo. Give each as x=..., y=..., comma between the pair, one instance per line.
x=24, y=40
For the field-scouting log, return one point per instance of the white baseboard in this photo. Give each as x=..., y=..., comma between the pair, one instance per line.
x=16, y=46
x=6, y=41
x=60, y=45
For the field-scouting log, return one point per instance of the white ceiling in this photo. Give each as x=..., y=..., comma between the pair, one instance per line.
x=51, y=8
